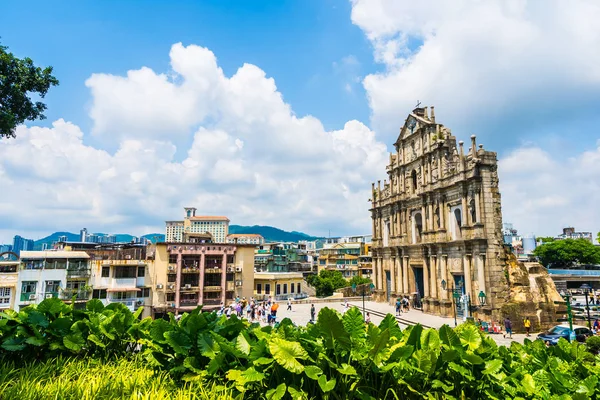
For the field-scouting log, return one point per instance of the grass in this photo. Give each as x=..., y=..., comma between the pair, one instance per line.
x=91, y=379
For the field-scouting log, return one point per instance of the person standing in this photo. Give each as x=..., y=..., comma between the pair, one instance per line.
x=398, y=306
x=508, y=327
x=289, y=305
x=527, y=325
x=368, y=319
x=313, y=311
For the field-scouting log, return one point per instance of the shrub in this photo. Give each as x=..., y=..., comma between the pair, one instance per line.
x=592, y=344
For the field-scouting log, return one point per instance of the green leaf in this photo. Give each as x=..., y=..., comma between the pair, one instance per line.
x=36, y=318
x=35, y=341
x=192, y=364
x=208, y=347
x=287, y=354
x=277, y=393
x=414, y=338
x=296, y=394
x=528, y=384
x=390, y=323
x=326, y=386
x=61, y=326
x=52, y=306
x=378, y=352
x=158, y=329
x=179, y=341
x=470, y=337
x=94, y=305
x=450, y=355
x=74, y=342
x=439, y=384
x=472, y=358
x=430, y=340
x=400, y=351
x=492, y=367
x=332, y=329
x=14, y=344
x=354, y=324
x=236, y=375
x=313, y=372
x=241, y=343
x=449, y=337
x=96, y=340
x=423, y=361
x=346, y=369
x=263, y=361
x=252, y=375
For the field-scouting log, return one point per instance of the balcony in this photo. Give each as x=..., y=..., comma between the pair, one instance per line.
x=193, y=302
x=67, y=294
x=123, y=283
x=211, y=302
x=131, y=303
x=191, y=270
x=79, y=273
x=230, y=286
x=212, y=271
x=189, y=288
x=132, y=263
x=212, y=288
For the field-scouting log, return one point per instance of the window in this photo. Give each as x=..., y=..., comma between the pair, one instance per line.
x=75, y=285
x=145, y=292
x=4, y=295
x=105, y=272
x=291, y=288
x=278, y=289
x=141, y=272
x=285, y=288
x=170, y=296
x=171, y=278
x=52, y=286
x=298, y=287
x=125, y=272
x=99, y=294
x=123, y=295
x=29, y=287
x=267, y=288
x=258, y=288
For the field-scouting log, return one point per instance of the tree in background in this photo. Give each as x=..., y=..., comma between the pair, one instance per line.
x=568, y=252
x=598, y=237
x=327, y=282
x=546, y=239
x=19, y=78
x=359, y=280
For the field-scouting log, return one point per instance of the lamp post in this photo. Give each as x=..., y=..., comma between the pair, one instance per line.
x=567, y=297
x=371, y=287
x=455, y=296
x=586, y=289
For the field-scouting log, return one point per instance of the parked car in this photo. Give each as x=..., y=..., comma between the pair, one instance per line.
x=551, y=336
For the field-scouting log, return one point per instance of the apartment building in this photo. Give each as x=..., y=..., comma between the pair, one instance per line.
x=46, y=274
x=200, y=272
x=216, y=226
x=245, y=238
x=365, y=262
x=341, y=257
x=9, y=271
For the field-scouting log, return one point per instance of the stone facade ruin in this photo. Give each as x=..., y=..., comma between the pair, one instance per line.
x=437, y=232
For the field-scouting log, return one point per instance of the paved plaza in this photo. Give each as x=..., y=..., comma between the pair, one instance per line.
x=300, y=315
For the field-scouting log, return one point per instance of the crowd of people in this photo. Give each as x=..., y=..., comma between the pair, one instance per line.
x=253, y=310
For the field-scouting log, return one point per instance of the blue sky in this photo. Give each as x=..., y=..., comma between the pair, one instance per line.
x=298, y=124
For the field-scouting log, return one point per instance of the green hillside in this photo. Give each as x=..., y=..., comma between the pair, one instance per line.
x=271, y=234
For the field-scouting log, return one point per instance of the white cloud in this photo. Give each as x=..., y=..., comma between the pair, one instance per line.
x=250, y=157
x=542, y=195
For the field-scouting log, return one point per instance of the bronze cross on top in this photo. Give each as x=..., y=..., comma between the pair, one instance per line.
x=418, y=104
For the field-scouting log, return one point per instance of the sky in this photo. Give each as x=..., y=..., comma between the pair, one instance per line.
x=283, y=113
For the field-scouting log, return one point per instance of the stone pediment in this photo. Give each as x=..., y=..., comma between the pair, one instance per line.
x=412, y=125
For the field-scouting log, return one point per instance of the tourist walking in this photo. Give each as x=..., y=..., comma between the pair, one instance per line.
x=508, y=327
x=313, y=311
x=398, y=306
x=289, y=305
x=527, y=325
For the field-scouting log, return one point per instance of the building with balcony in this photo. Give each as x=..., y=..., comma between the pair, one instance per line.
x=245, y=238
x=190, y=274
x=46, y=274
x=9, y=271
x=217, y=226
x=343, y=257
x=570, y=233
x=365, y=262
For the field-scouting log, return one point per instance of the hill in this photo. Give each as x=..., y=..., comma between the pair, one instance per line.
x=271, y=234
x=74, y=237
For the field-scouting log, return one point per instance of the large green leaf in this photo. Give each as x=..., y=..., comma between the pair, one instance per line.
x=74, y=342
x=179, y=341
x=36, y=318
x=61, y=326
x=528, y=384
x=207, y=345
x=390, y=323
x=52, y=306
x=94, y=305
x=14, y=344
x=470, y=337
x=241, y=343
x=414, y=337
x=378, y=351
x=326, y=386
x=354, y=324
x=346, y=369
x=277, y=393
x=252, y=375
x=332, y=329
x=430, y=340
x=492, y=367
x=313, y=372
x=36, y=341
x=287, y=354
x=96, y=340
x=158, y=329
x=449, y=337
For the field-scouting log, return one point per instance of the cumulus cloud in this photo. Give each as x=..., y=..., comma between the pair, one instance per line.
x=248, y=156
x=490, y=67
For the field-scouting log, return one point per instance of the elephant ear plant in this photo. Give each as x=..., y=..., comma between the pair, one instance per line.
x=338, y=357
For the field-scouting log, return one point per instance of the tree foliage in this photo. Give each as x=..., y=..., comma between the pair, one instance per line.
x=568, y=252
x=338, y=357
x=327, y=282
x=359, y=280
x=19, y=79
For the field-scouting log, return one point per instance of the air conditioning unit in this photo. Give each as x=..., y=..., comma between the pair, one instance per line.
x=48, y=296
x=171, y=268
x=32, y=297
x=128, y=257
x=159, y=286
x=238, y=269
x=171, y=286
x=187, y=286
x=238, y=283
x=139, y=303
x=230, y=269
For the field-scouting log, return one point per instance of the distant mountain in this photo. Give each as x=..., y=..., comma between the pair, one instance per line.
x=271, y=234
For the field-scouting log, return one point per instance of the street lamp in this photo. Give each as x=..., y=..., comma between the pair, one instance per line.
x=567, y=297
x=455, y=296
x=481, y=298
x=586, y=289
x=371, y=287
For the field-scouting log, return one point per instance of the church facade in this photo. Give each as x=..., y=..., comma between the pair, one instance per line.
x=437, y=222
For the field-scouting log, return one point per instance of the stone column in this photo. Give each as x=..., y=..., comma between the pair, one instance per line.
x=399, y=282
x=201, y=281
x=443, y=215
x=430, y=222
x=467, y=272
x=465, y=211
x=479, y=264
x=381, y=274
x=444, y=275
x=405, y=274
x=439, y=165
x=429, y=167
x=434, y=281
x=425, y=278
x=393, y=274
x=178, y=282
x=478, y=206
x=374, y=268
x=224, y=278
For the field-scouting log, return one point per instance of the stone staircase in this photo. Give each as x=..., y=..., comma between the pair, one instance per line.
x=306, y=288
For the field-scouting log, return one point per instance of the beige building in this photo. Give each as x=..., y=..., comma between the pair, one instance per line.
x=199, y=272
x=343, y=257
x=245, y=238
x=437, y=224
x=278, y=285
x=9, y=271
x=217, y=226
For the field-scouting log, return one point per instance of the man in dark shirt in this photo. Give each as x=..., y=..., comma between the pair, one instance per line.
x=508, y=327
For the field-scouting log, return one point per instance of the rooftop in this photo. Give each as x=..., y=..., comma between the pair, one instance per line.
x=40, y=255
x=209, y=218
